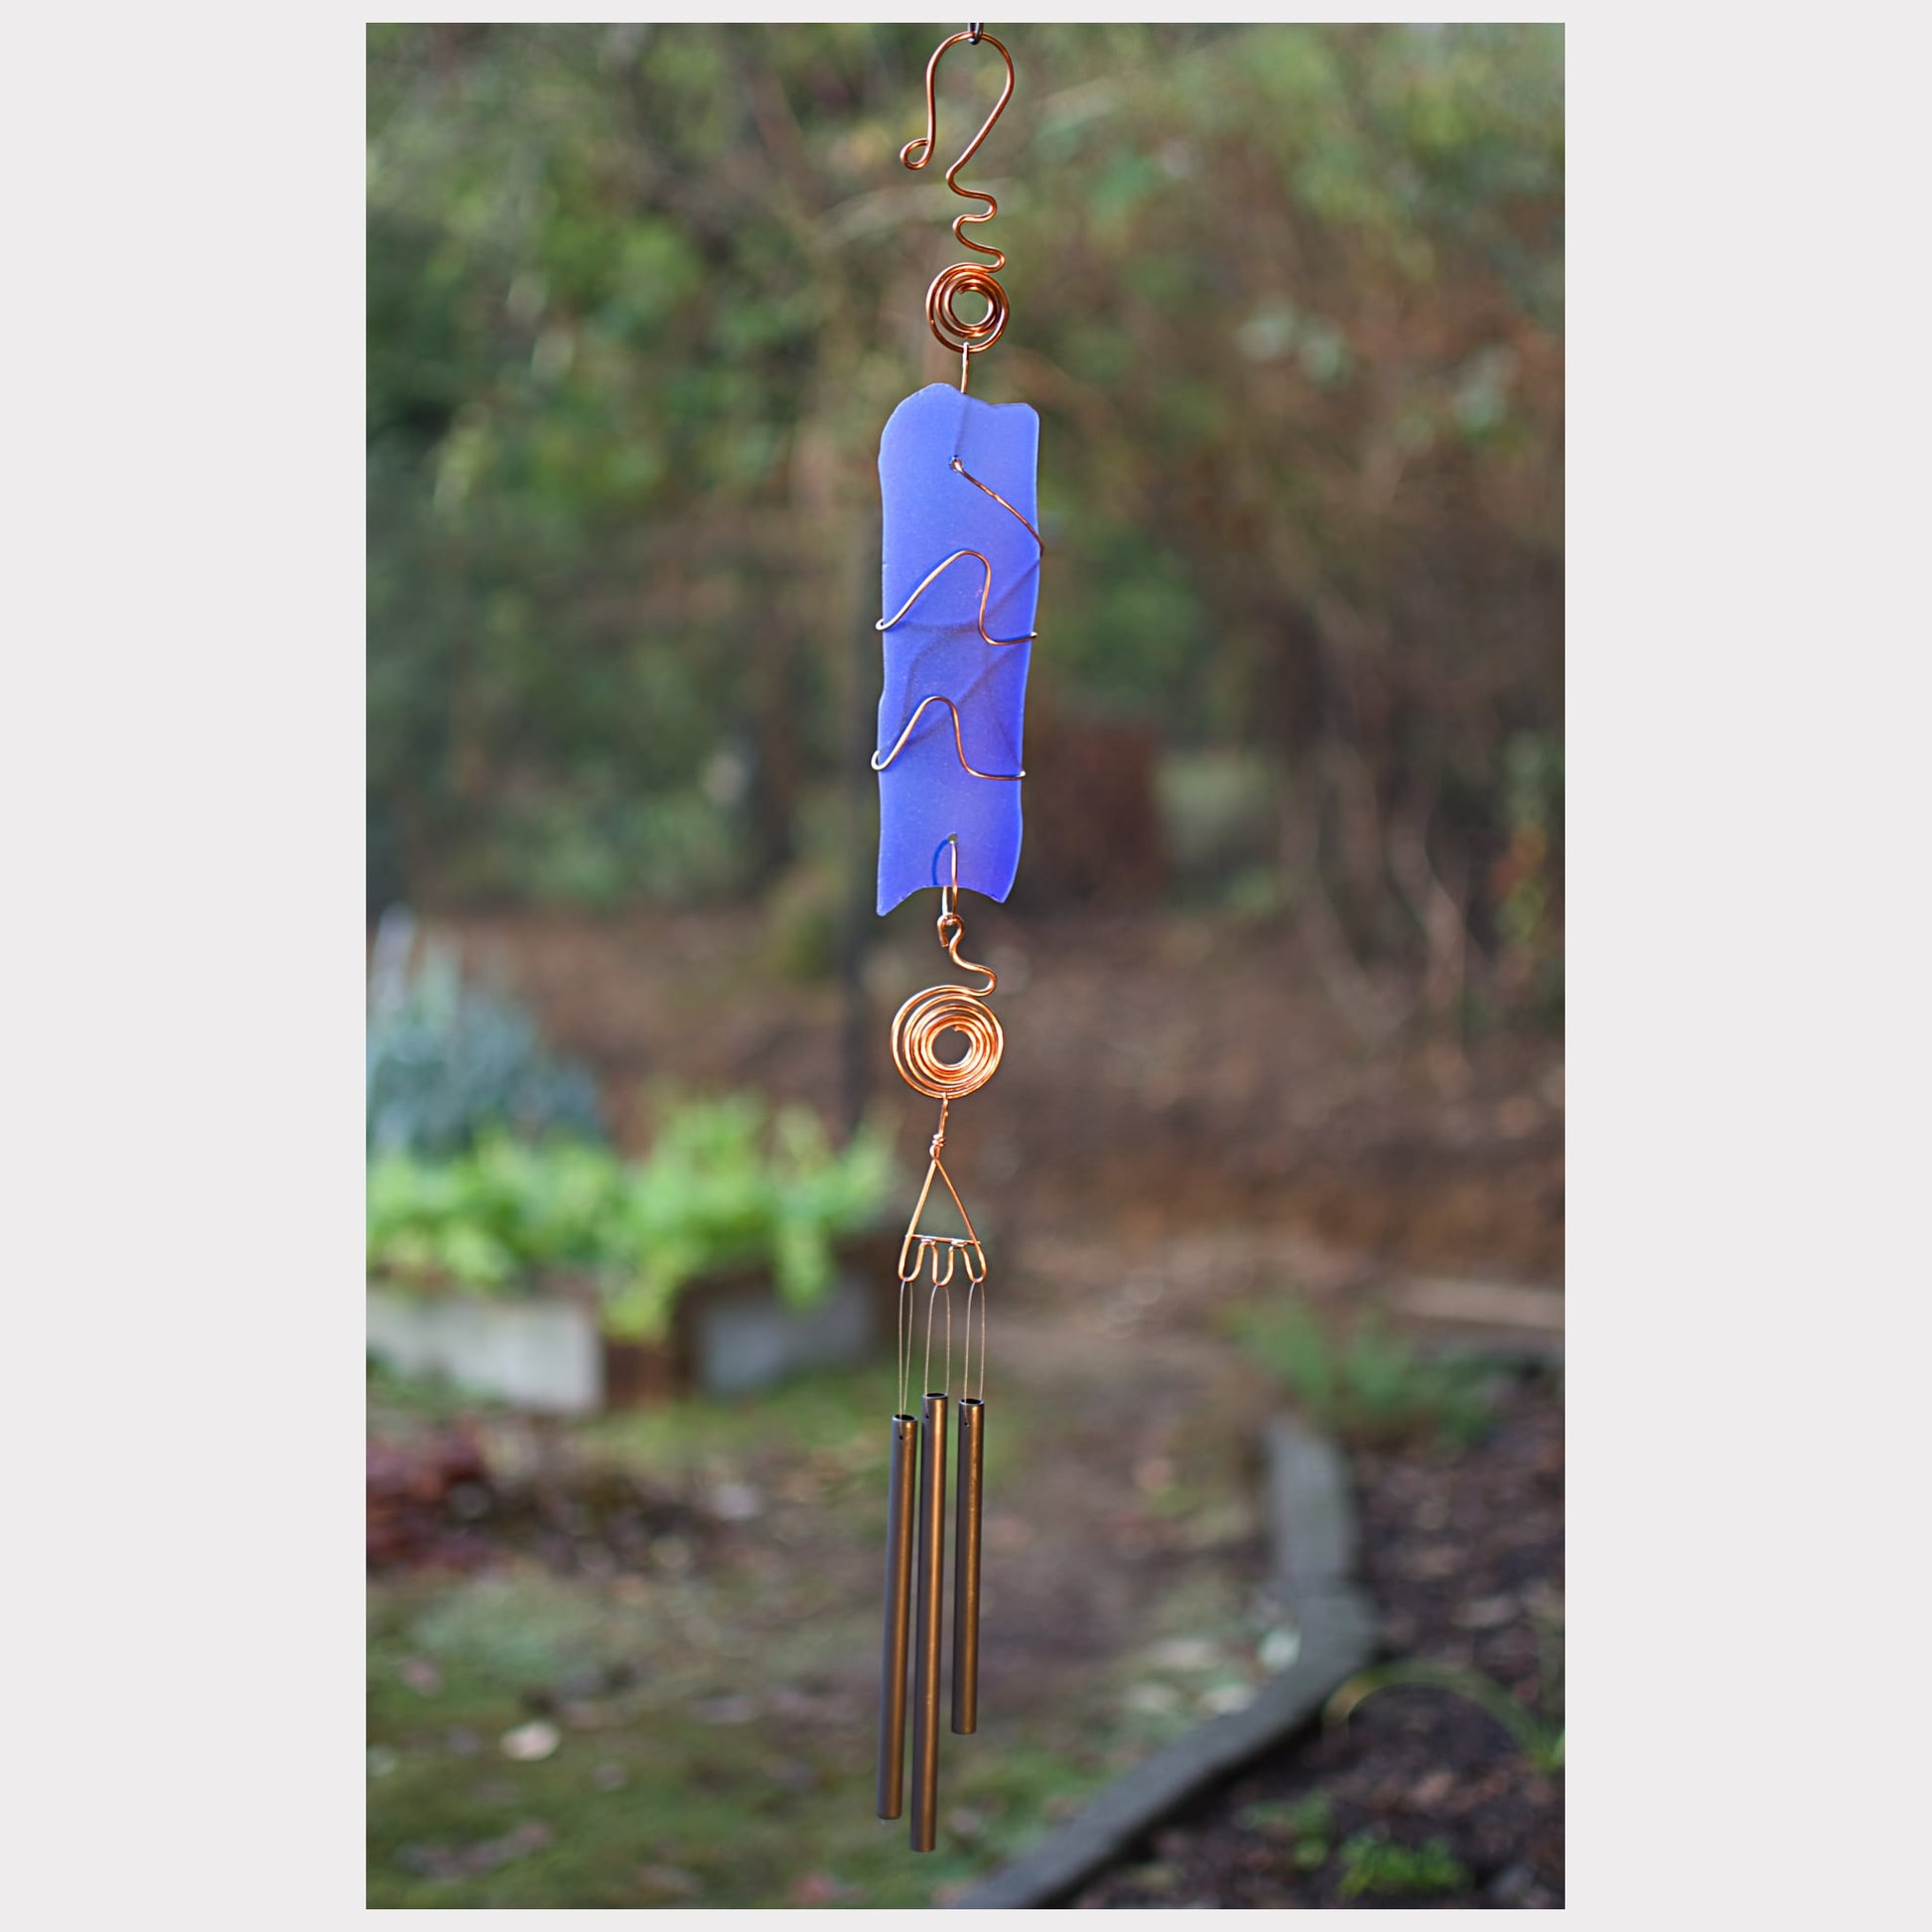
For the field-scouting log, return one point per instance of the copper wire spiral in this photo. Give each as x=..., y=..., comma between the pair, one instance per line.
x=966, y=278
x=950, y=328
x=918, y=1024
x=916, y=1029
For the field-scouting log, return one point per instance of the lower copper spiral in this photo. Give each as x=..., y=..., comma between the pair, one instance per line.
x=948, y=325
x=917, y=1026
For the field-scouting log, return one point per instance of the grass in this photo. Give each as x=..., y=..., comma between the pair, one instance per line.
x=1369, y=1385
x=1306, y=1824
x=1378, y=1864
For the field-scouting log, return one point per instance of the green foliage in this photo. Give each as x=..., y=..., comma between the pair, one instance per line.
x=447, y=1060
x=1370, y=1385
x=1308, y=1824
x=725, y=1185
x=1219, y=810
x=1378, y=1864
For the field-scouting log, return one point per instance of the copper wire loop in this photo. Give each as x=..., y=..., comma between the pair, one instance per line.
x=944, y=319
x=964, y=278
x=916, y=1029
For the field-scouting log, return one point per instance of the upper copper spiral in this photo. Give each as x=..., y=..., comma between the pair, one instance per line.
x=947, y=324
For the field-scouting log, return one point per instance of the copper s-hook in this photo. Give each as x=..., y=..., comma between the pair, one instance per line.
x=950, y=328
x=924, y=144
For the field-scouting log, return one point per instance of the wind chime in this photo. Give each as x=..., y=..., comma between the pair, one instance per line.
x=961, y=582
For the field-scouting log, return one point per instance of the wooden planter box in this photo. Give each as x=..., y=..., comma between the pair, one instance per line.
x=728, y=1334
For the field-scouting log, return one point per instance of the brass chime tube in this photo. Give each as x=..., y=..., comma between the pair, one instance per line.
x=933, y=1584
x=901, y=1481
x=966, y=1569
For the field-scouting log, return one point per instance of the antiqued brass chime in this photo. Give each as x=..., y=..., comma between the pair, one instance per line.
x=957, y=485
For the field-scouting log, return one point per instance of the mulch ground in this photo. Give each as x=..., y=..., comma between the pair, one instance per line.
x=1464, y=1557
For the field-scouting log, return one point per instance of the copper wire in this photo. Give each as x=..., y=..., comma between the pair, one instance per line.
x=1003, y=503
x=917, y=1030
x=986, y=591
x=915, y=1034
x=928, y=1015
x=959, y=743
x=948, y=325
x=919, y=1250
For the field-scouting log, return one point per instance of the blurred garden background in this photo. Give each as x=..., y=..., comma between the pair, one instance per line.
x=1281, y=1114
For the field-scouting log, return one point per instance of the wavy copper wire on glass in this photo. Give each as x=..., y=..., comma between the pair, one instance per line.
x=948, y=325
x=962, y=470
x=986, y=590
x=959, y=743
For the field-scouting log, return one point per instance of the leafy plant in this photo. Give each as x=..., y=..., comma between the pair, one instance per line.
x=1538, y=1738
x=1308, y=1823
x=448, y=1062
x=1378, y=1864
x=725, y=1185
x=1370, y=1385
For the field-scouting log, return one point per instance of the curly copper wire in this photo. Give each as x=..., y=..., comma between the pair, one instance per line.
x=959, y=743
x=918, y=1027
x=986, y=591
x=950, y=328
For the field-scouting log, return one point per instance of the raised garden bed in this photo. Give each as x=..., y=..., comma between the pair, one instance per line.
x=728, y=1332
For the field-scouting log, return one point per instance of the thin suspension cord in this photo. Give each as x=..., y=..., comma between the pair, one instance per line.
x=975, y=1288
x=940, y=1287
x=905, y=1341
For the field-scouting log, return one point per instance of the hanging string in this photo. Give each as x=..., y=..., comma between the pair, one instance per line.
x=905, y=1341
x=940, y=1285
x=975, y=1288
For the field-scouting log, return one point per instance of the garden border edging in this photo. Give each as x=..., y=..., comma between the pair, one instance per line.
x=1312, y=1542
